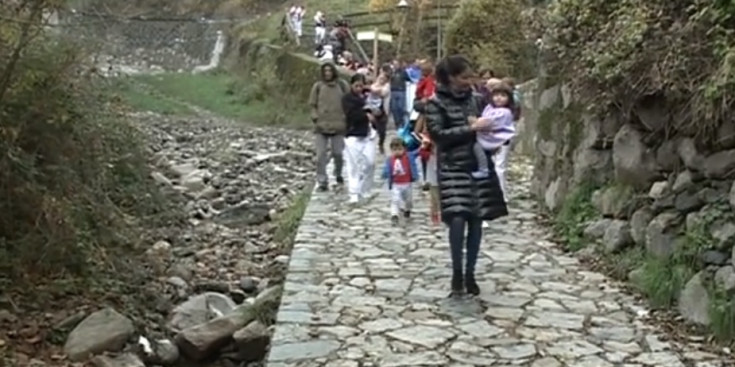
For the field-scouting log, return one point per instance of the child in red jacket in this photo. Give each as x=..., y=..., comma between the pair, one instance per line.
x=400, y=172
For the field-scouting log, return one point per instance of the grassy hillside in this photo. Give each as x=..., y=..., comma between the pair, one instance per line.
x=220, y=92
x=206, y=8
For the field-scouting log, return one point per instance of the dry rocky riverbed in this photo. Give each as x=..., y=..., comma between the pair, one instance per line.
x=210, y=277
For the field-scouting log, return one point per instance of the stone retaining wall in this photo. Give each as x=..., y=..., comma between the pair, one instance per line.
x=655, y=192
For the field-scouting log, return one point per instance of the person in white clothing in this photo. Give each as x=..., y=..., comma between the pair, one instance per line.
x=360, y=142
x=296, y=14
x=400, y=171
x=320, y=27
x=324, y=54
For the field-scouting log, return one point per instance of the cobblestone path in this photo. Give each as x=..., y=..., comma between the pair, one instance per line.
x=362, y=293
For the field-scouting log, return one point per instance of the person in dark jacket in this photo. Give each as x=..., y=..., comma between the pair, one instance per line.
x=465, y=201
x=398, y=85
x=360, y=141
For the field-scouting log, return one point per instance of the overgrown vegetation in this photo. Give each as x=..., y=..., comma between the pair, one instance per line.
x=490, y=32
x=288, y=222
x=74, y=176
x=661, y=280
x=618, y=54
x=722, y=313
x=575, y=213
x=140, y=97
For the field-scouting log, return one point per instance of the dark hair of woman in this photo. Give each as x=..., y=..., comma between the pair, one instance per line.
x=357, y=77
x=451, y=66
x=487, y=73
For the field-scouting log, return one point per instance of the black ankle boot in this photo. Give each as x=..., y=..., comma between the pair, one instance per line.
x=457, y=284
x=471, y=284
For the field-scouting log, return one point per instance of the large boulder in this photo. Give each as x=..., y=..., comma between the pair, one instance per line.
x=653, y=113
x=550, y=97
x=199, y=309
x=661, y=234
x=634, y=162
x=202, y=341
x=123, y=360
x=688, y=153
x=720, y=165
x=251, y=342
x=595, y=230
x=103, y=331
x=617, y=236
x=638, y=224
x=723, y=233
x=694, y=301
x=684, y=181
x=666, y=156
x=613, y=201
x=725, y=278
x=726, y=135
x=554, y=194
x=592, y=165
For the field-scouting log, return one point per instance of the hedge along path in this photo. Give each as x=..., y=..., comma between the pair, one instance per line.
x=362, y=293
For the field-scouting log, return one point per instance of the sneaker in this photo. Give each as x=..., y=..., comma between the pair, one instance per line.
x=481, y=174
x=407, y=214
x=394, y=220
x=471, y=284
x=322, y=187
x=340, y=181
x=353, y=200
x=425, y=187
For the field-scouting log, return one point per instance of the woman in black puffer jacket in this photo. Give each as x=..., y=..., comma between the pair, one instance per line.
x=465, y=201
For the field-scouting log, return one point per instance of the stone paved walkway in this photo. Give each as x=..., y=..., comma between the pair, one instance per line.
x=362, y=293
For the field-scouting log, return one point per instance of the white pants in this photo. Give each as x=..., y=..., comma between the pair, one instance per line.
x=360, y=161
x=401, y=198
x=410, y=96
x=501, y=163
x=319, y=34
x=299, y=30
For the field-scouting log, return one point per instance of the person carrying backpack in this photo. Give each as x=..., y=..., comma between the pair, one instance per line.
x=325, y=101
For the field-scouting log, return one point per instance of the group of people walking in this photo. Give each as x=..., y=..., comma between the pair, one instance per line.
x=454, y=138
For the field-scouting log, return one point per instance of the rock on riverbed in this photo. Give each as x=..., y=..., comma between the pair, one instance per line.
x=214, y=273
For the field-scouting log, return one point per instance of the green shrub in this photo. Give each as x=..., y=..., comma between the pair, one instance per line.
x=722, y=313
x=619, y=265
x=618, y=54
x=662, y=279
x=74, y=177
x=575, y=213
x=288, y=221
